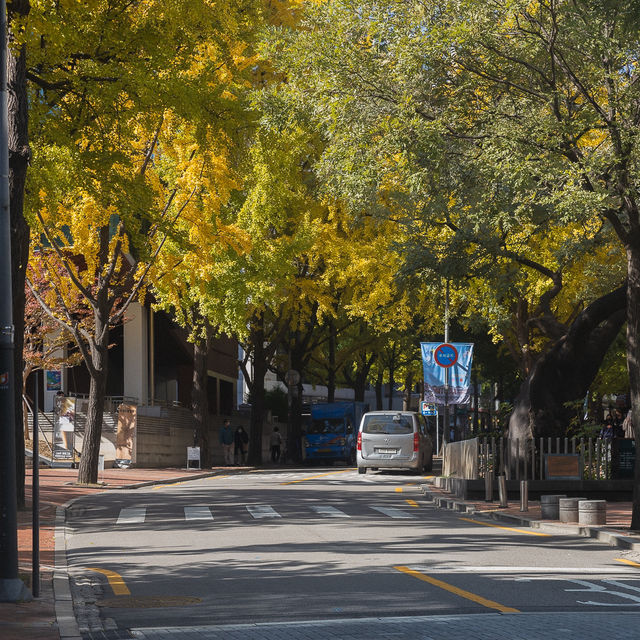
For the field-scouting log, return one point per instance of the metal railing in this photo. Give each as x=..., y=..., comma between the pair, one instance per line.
x=525, y=459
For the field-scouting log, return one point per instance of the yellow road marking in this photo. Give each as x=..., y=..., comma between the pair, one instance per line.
x=322, y=475
x=398, y=489
x=115, y=580
x=412, y=503
x=497, y=526
x=490, y=604
x=166, y=484
x=630, y=562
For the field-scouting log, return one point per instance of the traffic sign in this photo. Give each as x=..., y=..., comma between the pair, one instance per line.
x=427, y=409
x=445, y=355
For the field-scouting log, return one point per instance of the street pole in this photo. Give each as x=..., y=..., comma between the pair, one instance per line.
x=445, y=428
x=35, y=491
x=12, y=588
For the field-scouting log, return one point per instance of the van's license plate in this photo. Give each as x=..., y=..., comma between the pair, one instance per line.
x=386, y=451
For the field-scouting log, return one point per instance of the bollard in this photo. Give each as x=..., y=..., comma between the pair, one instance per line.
x=488, y=487
x=549, y=506
x=524, y=495
x=592, y=512
x=502, y=491
x=568, y=509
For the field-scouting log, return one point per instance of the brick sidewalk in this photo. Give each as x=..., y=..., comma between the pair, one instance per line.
x=36, y=620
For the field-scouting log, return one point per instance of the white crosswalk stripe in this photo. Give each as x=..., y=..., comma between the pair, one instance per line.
x=329, y=512
x=198, y=512
x=204, y=513
x=132, y=515
x=262, y=511
x=392, y=512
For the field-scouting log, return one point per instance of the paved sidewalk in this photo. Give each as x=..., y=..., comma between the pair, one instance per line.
x=36, y=620
x=616, y=532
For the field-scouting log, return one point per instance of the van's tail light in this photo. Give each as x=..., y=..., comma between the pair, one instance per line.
x=359, y=442
x=416, y=441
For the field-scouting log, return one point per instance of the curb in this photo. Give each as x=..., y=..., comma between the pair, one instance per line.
x=600, y=534
x=63, y=601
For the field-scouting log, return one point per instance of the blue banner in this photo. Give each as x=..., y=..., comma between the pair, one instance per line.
x=437, y=359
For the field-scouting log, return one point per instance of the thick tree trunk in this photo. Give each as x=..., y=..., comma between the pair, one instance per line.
x=566, y=371
x=200, y=401
x=633, y=365
x=19, y=155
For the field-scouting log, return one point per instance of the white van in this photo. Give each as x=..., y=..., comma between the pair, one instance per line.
x=394, y=440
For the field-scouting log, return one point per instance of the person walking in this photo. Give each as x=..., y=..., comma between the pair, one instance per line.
x=240, y=442
x=226, y=441
x=275, y=441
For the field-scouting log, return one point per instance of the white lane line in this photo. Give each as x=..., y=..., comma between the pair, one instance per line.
x=198, y=512
x=329, y=512
x=392, y=512
x=132, y=515
x=262, y=511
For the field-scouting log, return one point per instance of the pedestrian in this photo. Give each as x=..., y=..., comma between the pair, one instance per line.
x=618, y=421
x=240, y=441
x=276, y=442
x=607, y=432
x=226, y=441
x=627, y=426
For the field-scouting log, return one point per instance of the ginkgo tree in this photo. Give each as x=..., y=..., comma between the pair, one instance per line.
x=115, y=84
x=529, y=109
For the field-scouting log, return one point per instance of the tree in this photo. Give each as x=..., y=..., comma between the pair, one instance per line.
x=113, y=85
x=526, y=113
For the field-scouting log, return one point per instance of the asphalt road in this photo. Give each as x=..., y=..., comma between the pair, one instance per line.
x=266, y=548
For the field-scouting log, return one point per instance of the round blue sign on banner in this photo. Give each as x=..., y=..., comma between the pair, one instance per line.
x=445, y=355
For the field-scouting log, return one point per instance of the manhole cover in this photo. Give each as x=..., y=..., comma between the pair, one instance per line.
x=147, y=602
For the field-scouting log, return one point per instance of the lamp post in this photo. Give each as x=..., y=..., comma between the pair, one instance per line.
x=12, y=589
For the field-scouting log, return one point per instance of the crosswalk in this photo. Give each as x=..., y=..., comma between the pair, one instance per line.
x=204, y=513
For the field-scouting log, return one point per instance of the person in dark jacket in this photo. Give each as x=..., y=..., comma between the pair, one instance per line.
x=240, y=442
x=226, y=437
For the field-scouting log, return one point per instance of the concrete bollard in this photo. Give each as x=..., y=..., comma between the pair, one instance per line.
x=549, y=506
x=592, y=512
x=502, y=491
x=568, y=509
x=524, y=495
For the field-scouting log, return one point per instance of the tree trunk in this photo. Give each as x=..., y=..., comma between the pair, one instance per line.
x=379, y=397
x=566, y=371
x=406, y=396
x=392, y=384
x=633, y=365
x=200, y=400
x=19, y=155
x=331, y=378
x=257, y=396
x=88, y=468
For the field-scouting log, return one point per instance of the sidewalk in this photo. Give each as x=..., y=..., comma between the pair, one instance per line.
x=615, y=533
x=36, y=620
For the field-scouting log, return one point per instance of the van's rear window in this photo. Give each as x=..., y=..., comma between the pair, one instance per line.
x=387, y=425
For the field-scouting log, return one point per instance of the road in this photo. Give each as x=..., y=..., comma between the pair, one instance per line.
x=264, y=553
